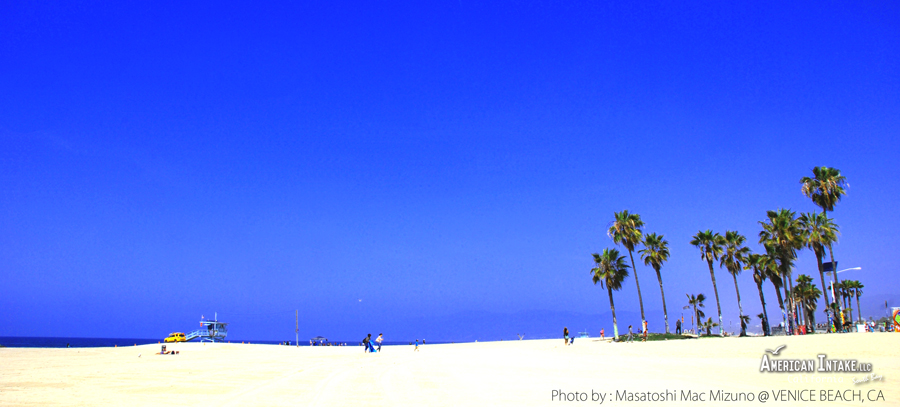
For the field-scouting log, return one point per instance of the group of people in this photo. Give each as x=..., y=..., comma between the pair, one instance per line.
x=374, y=345
x=568, y=341
x=369, y=347
x=643, y=333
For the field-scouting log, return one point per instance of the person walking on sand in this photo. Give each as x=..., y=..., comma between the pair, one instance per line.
x=602, y=334
x=417, y=346
x=677, y=327
x=630, y=334
x=366, y=343
x=644, y=339
x=566, y=335
x=378, y=341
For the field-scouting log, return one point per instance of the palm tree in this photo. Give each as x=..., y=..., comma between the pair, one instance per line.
x=856, y=289
x=783, y=236
x=842, y=290
x=745, y=319
x=611, y=271
x=758, y=263
x=654, y=254
x=697, y=302
x=709, y=324
x=845, y=288
x=710, y=245
x=799, y=299
x=820, y=233
x=626, y=231
x=825, y=189
x=769, y=267
x=806, y=293
x=734, y=259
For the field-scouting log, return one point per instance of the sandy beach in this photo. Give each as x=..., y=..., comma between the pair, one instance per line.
x=492, y=373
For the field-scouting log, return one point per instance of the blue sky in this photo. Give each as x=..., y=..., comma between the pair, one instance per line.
x=405, y=167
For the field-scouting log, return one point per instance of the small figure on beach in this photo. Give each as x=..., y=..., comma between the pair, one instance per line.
x=367, y=343
x=602, y=334
x=630, y=334
x=644, y=338
x=677, y=327
x=417, y=346
x=379, y=339
x=566, y=335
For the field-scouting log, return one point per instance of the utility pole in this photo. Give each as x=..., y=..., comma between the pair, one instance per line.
x=297, y=330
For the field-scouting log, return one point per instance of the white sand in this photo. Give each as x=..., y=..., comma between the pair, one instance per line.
x=519, y=373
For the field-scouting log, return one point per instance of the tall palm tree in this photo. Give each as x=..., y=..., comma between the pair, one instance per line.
x=783, y=236
x=710, y=245
x=825, y=189
x=655, y=253
x=625, y=230
x=757, y=263
x=733, y=259
x=611, y=271
x=820, y=233
x=696, y=301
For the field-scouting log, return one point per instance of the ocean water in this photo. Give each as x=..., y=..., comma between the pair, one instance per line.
x=41, y=342
x=37, y=342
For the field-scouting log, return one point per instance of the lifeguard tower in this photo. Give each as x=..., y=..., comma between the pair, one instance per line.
x=210, y=331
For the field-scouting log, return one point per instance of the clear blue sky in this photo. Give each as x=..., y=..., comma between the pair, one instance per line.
x=403, y=168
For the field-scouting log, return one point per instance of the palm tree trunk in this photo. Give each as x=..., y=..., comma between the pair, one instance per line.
x=783, y=313
x=638, y=284
x=716, y=291
x=796, y=311
x=812, y=316
x=789, y=297
x=612, y=308
x=822, y=280
x=858, y=311
x=762, y=300
x=847, y=296
x=789, y=327
x=740, y=309
x=663, y=293
x=697, y=316
x=836, y=281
